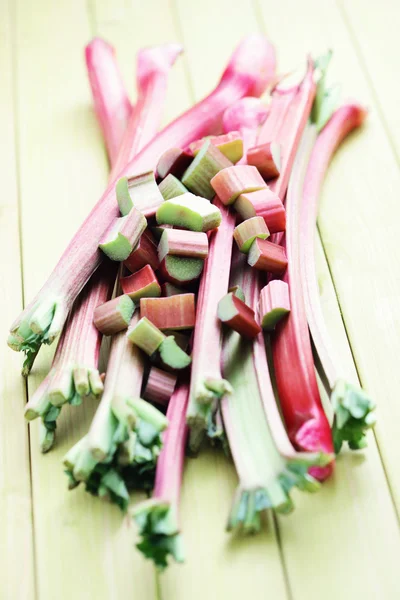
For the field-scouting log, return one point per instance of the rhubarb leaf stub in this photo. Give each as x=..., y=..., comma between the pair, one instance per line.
x=353, y=415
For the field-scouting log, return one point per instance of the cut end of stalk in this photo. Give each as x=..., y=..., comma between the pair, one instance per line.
x=181, y=270
x=158, y=527
x=171, y=187
x=189, y=212
x=354, y=415
x=207, y=163
x=172, y=355
x=123, y=235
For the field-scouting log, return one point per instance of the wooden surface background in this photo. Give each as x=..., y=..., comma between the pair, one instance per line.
x=344, y=541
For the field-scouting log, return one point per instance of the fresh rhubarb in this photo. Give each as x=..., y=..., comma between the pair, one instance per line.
x=172, y=355
x=176, y=242
x=190, y=212
x=274, y=304
x=142, y=284
x=144, y=253
x=304, y=416
x=207, y=163
x=229, y=183
x=159, y=387
x=265, y=204
x=234, y=313
x=124, y=440
x=247, y=73
x=267, y=256
x=267, y=159
x=180, y=270
x=352, y=407
x=111, y=102
x=237, y=290
x=171, y=187
x=246, y=232
x=169, y=289
x=207, y=386
x=230, y=144
x=146, y=336
x=114, y=316
x=138, y=190
x=122, y=236
x=175, y=312
x=173, y=161
x=158, y=518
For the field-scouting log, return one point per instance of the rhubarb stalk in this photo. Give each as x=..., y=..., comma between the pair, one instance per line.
x=352, y=407
x=158, y=518
x=207, y=385
x=111, y=102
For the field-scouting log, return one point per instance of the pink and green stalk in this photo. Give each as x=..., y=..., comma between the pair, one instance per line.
x=267, y=256
x=265, y=204
x=207, y=385
x=267, y=159
x=160, y=386
x=267, y=466
x=352, y=407
x=158, y=518
x=111, y=102
x=229, y=183
x=43, y=319
x=176, y=312
x=114, y=316
x=173, y=161
x=304, y=416
x=177, y=242
x=246, y=232
x=123, y=443
x=274, y=304
x=145, y=253
x=142, y=284
x=230, y=144
x=237, y=315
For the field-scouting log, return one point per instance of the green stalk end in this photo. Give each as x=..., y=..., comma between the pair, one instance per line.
x=353, y=415
x=158, y=527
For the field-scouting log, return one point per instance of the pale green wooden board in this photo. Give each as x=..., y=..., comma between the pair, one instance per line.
x=343, y=542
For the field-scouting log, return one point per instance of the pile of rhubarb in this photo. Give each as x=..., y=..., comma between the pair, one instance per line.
x=198, y=263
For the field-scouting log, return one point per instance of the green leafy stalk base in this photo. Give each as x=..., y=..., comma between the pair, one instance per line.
x=353, y=415
x=158, y=527
x=130, y=463
x=250, y=503
x=37, y=325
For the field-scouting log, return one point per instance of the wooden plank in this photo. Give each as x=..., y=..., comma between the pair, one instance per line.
x=82, y=545
x=218, y=565
x=341, y=522
x=16, y=534
x=375, y=34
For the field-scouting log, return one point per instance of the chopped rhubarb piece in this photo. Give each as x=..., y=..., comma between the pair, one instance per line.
x=139, y=189
x=171, y=187
x=174, y=161
x=114, y=316
x=265, y=204
x=230, y=144
x=267, y=256
x=267, y=159
x=144, y=253
x=245, y=233
x=247, y=73
x=274, y=303
x=160, y=386
x=146, y=336
x=190, y=212
x=233, y=181
x=177, y=242
x=175, y=312
x=207, y=163
x=238, y=291
x=180, y=270
x=158, y=230
x=172, y=355
x=169, y=289
x=142, y=284
x=238, y=316
x=111, y=101
x=123, y=235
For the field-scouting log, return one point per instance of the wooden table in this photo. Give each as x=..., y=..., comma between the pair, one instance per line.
x=340, y=543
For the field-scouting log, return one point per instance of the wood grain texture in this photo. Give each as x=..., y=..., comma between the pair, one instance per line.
x=16, y=532
x=342, y=542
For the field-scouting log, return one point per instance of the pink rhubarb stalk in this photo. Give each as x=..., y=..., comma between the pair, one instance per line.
x=351, y=405
x=160, y=386
x=174, y=312
x=274, y=303
x=177, y=242
x=267, y=159
x=247, y=73
x=158, y=518
x=235, y=313
x=111, y=102
x=305, y=419
x=207, y=385
x=142, y=284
